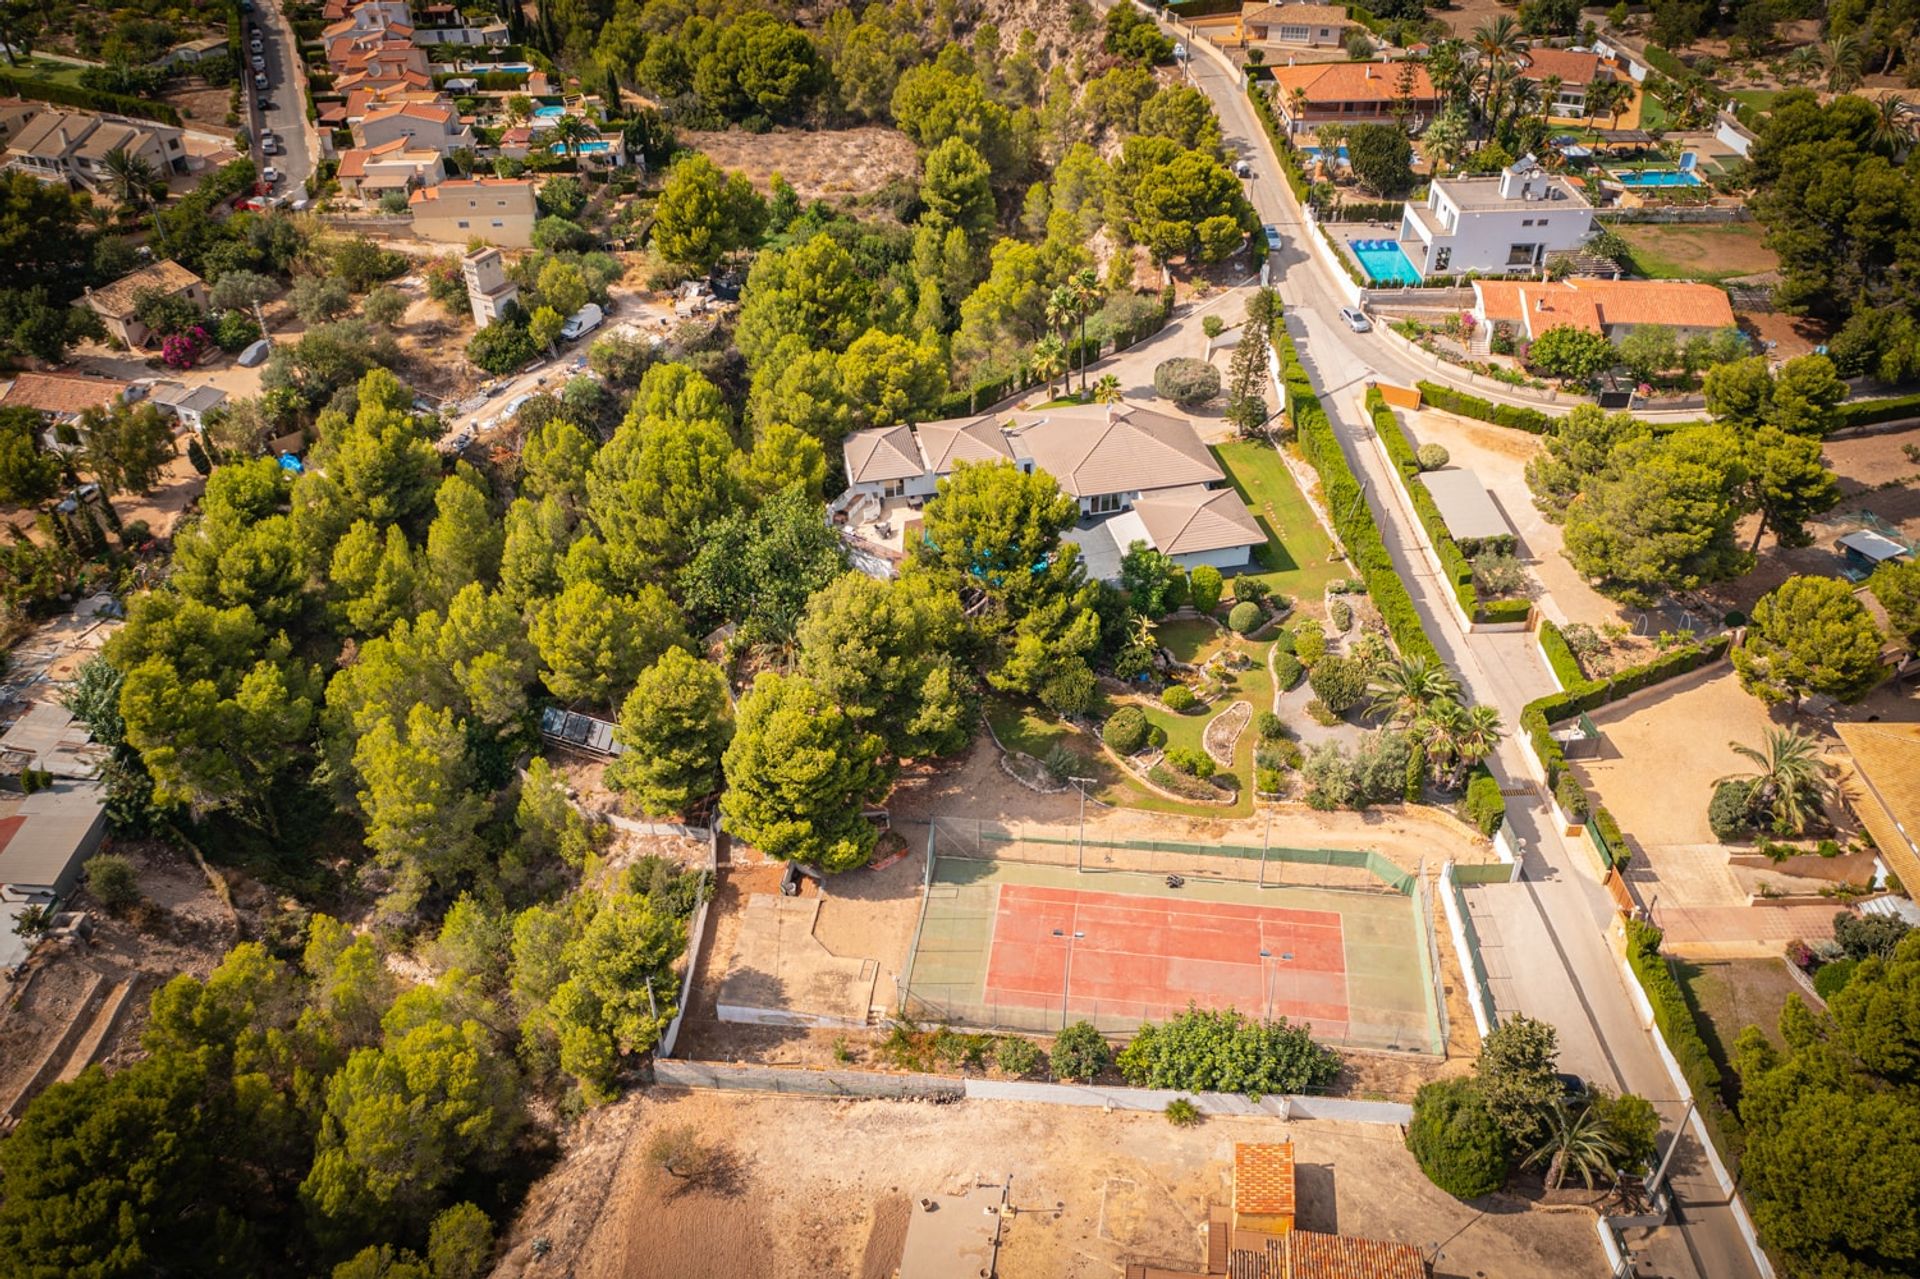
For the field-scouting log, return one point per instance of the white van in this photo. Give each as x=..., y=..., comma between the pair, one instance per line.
x=582, y=322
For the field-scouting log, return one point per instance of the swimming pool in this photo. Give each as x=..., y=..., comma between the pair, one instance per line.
x=548, y=113
x=1384, y=261
x=1656, y=178
x=511, y=68
x=1322, y=153
x=586, y=148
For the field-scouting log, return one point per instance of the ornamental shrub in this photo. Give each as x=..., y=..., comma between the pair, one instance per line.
x=1125, y=730
x=1209, y=1050
x=112, y=881
x=1270, y=726
x=1832, y=978
x=1191, y=761
x=1456, y=1141
x=1340, y=613
x=1177, y=697
x=1269, y=781
x=1730, y=811
x=1286, y=670
x=1432, y=456
x=1180, y=1112
x=1486, y=806
x=1283, y=640
x=1017, y=1056
x=1339, y=682
x=1309, y=643
x=1186, y=381
x=1204, y=587
x=1571, y=796
x=1079, y=1053
x=1244, y=617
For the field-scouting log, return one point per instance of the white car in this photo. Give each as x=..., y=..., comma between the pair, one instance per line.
x=270, y=175
x=1356, y=320
x=1273, y=236
x=259, y=63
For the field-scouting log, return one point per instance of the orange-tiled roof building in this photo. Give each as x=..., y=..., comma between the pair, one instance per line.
x=1309, y=95
x=1612, y=308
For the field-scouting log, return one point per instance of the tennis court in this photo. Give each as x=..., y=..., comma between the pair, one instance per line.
x=1014, y=935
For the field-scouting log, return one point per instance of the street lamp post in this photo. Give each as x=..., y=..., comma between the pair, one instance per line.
x=1066, y=982
x=1080, y=844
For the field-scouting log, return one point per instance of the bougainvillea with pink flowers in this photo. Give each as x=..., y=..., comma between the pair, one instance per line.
x=183, y=350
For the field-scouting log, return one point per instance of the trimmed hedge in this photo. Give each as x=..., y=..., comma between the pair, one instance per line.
x=1486, y=806
x=1560, y=658
x=1460, y=404
x=1868, y=412
x=1537, y=716
x=1666, y=63
x=1202, y=8
x=1610, y=835
x=1344, y=498
x=1672, y=1014
x=73, y=95
x=1290, y=164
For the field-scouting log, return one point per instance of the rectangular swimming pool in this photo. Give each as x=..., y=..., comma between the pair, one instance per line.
x=1384, y=261
x=590, y=147
x=1656, y=178
x=549, y=112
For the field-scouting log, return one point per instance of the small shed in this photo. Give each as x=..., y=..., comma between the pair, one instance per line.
x=1864, y=550
x=583, y=731
x=46, y=836
x=1468, y=509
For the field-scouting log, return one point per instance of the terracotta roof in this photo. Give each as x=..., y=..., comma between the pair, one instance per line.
x=439, y=111
x=1263, y=1178
x=62, y=394
x=1301, y=14
x=1316, y=1256
x=1571, y=66
x=1115, y=449
x=1886, y=759
x=117, y=299
x=353, y=163
x=885, y=453
x=1349, y=82
x=1183, y=521
x=977, y=439
x=1596, y=305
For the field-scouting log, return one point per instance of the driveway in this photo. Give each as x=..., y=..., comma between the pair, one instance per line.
x=287, y=120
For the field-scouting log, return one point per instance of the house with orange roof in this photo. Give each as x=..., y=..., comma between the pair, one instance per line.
x=1297, y=26
x=1256, y=1237
x=398, y=165
x=499, y=211
x=435, y=126
x=1313, y=94
x=1571, y=72
x=1611, y=308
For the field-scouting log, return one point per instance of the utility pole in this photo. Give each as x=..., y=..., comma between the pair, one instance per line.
x=1066, y=983
x=1266, y=842
x=1080, y=844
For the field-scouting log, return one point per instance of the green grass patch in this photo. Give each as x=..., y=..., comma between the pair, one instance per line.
x=1706, y=252
x=1298, y=559
x=45, y=69
x=1758, y=99
x=1188, y=639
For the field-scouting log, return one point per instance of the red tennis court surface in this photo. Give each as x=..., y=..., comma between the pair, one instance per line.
x=1149, y=957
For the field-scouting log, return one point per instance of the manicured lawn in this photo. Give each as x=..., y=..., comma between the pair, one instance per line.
x=1727, y=996
x=1298, y=559
x=1709, y=252
x=1758, y=99
x=44, y=69
x=1188, y=639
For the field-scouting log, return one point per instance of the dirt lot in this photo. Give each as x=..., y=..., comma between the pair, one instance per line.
x=1702, y=252
x=201, y=106
x=1092, y=1190
x=829, y=165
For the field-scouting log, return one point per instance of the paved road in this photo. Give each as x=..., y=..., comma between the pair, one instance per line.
x=1547, y=931
x=287, y=119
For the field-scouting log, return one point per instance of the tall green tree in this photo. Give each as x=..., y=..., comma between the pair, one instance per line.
x=594, y=643
x=704, y=213
x=799, y=773
x=675, y=726
x=995, y=527
x=1810, y=635
x=885, y=653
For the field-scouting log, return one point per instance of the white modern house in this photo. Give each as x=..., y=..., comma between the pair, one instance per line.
x=1137, y=475
x=1505, y=225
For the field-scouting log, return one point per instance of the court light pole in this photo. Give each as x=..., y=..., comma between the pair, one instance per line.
x=1080, y=843
x=1066, y=983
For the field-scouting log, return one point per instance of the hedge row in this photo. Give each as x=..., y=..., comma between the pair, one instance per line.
x=1666, y=63
x=1538, y=716
x=1460, y=404
x=1290, y=165
x=1347, y=502
x=1868, y=412
x=1365, y=18
x=73, y=95
x=1202, y=8
x=1618, y=855
x=1486, y=806
x=1560, y=658
x=1673, y=1015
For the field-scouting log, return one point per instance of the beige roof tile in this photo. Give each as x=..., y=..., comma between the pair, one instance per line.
x=977, y=439
x=1118, y=448
x=1183, y=521
x=884, y=453
x=117, y=299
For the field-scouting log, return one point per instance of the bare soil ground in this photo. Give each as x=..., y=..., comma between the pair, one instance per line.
x=201, y=106
x=1462, y=16
x=182, y=927
x=1791, y=335
x=830, y=165
x=1709, y=251
x=814, y=1186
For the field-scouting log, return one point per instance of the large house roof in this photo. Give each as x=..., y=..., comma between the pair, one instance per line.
x=1326, y=82
x=884, y=453
x=1597, y=305
x=117, y=299
x=977, y=439
x=443, y=112
x=1573, y=66
x=1886, y=758
x=62, y=394
x=1185, y=521
x=1115, y=449
x=463, y=186
x=1296, y=14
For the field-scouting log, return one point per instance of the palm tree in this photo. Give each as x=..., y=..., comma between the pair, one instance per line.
x=1048, y=360
x=1844, y=61
x=1576, y=1139
x=131, y=178
x=1893, y=126
x=570, y=131
x=1107, y=389
x=1497, y=44
x=1549, y=94
x=1404, y=688
x=1793, y=783
x=1447, y=69
x=1803, y=62
x=1478, y=737
x=1439, y=730
x=1085, y=284
x=1297, y=104
x=1061, y=303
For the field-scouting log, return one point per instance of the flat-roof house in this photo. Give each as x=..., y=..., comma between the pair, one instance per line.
x=1307, y=26
x=1501, y=225
x=1314, y=94
x=115, y=303
x=1612, y=308
x=1886, y=762
x=47, y=836
x=497, y=210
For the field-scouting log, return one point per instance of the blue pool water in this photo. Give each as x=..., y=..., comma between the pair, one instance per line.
x=512, y=68
x=1384, y=261
x=1321, y=153
x=586, y=148
x=1656, y=178
x=549, y=112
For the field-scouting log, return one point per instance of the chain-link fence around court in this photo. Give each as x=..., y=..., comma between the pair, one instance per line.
x=1381, y=993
